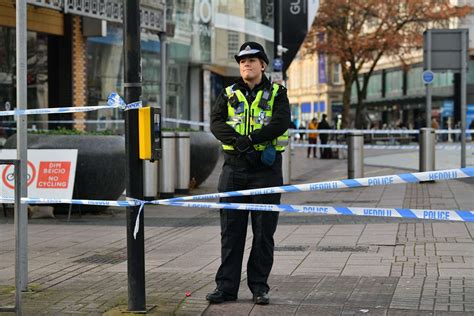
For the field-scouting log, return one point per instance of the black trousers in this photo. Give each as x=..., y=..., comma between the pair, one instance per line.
x=324, y=152
x=312, y=141
x=239, y=174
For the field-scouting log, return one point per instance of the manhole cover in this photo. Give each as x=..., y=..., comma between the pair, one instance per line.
x=344, y=249
x=291, y=248
x=103, y=259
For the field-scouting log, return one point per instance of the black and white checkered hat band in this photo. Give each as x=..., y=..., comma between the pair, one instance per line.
x=248, y=52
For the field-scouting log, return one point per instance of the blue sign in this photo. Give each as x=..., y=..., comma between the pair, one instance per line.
x=448, y=108
x=428, y=76
x=277, y=64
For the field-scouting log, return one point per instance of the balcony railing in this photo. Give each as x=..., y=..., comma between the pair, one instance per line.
x=152, y=17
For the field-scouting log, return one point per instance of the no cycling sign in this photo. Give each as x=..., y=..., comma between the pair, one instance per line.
x=50, y=173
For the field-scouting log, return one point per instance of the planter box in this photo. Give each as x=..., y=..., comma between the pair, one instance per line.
x=100, y=171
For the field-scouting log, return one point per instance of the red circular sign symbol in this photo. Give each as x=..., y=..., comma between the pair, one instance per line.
x=8, y=175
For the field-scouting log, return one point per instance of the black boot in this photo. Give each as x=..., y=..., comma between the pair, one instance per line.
x=261, y=298
x=219, y=296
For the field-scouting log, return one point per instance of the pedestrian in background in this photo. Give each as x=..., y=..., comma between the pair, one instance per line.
x=323, y=137
x=312, y=137
x=251, y=119
x=295, y=135
x=301, y=133
x=471, y=127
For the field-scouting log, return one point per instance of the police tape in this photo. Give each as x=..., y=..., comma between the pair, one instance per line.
x=448, y=174
x=339, y=146
x=114, y=101
x=129, y=202
x=375, y=132
x=447, y=215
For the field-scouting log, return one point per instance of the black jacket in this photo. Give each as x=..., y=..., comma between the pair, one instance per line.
x=324, y=125
x=279, y=123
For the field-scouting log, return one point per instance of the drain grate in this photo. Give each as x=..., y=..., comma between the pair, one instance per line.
x=291, y=248
x=103, y=259
x=344, y=249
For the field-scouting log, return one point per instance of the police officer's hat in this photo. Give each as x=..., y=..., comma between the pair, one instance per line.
x=251, y=49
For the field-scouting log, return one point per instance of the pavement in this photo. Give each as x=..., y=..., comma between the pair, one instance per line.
x=324, y=265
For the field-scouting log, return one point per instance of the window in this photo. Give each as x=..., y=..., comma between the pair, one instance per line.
x=415, y=80
x=394, y=83
x=232, y=43
x=336, y=73
x=374, y=87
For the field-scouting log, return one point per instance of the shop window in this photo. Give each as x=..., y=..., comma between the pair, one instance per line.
x=415, y=80
x=374, y=88
x=394, y=83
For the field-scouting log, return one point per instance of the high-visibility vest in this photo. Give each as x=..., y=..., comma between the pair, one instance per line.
x=245, y=118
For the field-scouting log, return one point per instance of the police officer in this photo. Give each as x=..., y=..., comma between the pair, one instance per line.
x=251, y=119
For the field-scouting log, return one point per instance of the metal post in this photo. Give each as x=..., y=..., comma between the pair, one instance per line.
x=355, y=156
x=286, y=162
x=134, y=166
x=150, y=180
x=167, y=165
x=21, y=221
x=19, y=239
x=276, y=27
x=183, y=160
x=428, y=86
x=17, y=210
x=427, y=149
x=464, y=39
x=163, y=76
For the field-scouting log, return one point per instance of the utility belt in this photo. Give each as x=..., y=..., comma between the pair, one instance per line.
x=250, y=160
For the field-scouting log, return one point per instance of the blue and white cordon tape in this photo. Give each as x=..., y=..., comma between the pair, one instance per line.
x=449, y=174
x=375, y=131
x=341, y=146
x=449, y=215
x=189, y=201
x=113, y=101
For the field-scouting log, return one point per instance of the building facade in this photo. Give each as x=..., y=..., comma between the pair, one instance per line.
x=315, y=88
x=396, y=94
x=75, y=55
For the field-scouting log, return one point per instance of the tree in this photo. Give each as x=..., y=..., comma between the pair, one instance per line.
x=357, y=33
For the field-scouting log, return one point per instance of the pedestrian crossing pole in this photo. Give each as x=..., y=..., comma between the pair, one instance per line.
x=134, y=167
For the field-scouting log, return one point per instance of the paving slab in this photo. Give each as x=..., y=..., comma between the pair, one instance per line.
x=324, y=265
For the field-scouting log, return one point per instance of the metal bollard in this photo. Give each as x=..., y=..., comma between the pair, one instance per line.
x=427, y=149
x=355, y=155
x=183, y=159
x=167, y=164
x=286, y=163
x=150, y=180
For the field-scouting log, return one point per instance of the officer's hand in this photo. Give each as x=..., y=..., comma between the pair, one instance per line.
x=243, y=144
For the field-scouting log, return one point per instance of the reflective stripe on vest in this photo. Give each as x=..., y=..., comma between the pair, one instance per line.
x=251, y=118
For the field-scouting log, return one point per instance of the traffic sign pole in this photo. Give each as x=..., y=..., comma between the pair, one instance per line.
x=464, y=40
x=428, y=86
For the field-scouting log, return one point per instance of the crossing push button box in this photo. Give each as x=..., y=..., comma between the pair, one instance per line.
x=149, y=133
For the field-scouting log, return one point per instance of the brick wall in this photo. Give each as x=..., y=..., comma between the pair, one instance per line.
x=79, y=74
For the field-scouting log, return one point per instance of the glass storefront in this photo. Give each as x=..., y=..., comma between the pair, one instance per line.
x=105, y=74
x=37, y=76
x=207, y=35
